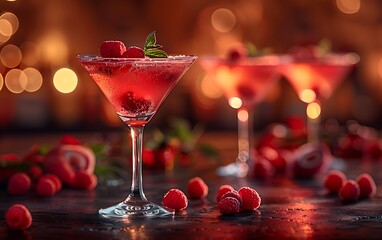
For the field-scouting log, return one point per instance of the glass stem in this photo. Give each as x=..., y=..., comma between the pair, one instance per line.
x=245, y=138
x=136, y=190
x=313, y=124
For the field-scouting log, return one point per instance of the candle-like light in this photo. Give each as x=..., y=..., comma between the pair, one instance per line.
x=209, y=88
x=34, y=79
x=65, y=80
x=223, y=20
x=349, y=6
x=313, y=110
x=307, y=96
x=10, y=56
x=15, y=80
x=235, y=102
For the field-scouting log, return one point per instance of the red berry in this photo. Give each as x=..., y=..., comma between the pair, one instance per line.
x=165, y=157
x=135, y=105
x=237, y=53
x=310, y=160
x=57, y=182
x=35, y=172
x=85, y=180
x=175, y=199
x=19, y=184
x=197, y=188
x=46, y=187
x=263, y=169
x=251, y=199
x=112, y=49
x=223, y=190
x=367, y=185
x=229, y=205
x=233, y=194
x=334, y=181
x=148, y=157
x=134, y=52
x=350, y=191
x=70, y=140
x=18, y=217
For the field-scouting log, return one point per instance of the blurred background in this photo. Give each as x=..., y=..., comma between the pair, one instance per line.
x=44, y=88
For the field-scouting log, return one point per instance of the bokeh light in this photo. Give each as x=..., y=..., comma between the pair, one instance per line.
x=5, y=28
x=209, y=88
x=34, y=79
x=307, y=96
x=12, y=20
x=313, y=110
x=349, y=6
x=53, y=49
x=242, y=115
x=15, y=80
x=65, y=80
x=235, y=102
x=1, y=81
x=223, y=20
x=30, y=54
x=10, y=56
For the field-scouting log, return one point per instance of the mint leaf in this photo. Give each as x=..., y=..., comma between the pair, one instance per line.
x=151, y=48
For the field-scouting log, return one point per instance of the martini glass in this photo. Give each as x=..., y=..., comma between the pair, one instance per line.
x=315, y=78
x=245, y=82
x=136, y=87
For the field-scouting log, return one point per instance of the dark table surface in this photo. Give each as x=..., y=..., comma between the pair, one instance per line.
x=290, y=209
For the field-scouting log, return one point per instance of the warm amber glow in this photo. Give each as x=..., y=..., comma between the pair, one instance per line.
x=5, y=28
x=209, y=88
x=307, y=96
x=53, y=48
x=379, y=67
x=242, y=115
x=223, y=20
x=12, y=20
x=30, y=54
x=1, y=82
x=10, y=56
x=34, y=79
x=235, y=102
x=15, y=80
x=313, y=110
x=65, y=80
x=349, y=6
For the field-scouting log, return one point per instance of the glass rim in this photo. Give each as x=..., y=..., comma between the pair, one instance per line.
x=95, y=57
x=273, y=59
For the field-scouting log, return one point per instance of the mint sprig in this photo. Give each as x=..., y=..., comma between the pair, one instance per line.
x=152, y=49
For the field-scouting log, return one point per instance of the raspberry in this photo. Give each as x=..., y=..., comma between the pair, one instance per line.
x=57, y=182
x=350, y=191
x=334, y=181
x=34, y=172
x=233, y=194
x=237, y=53
x=223, y=190
x=263, y=169
x=19, y=184
x=134, y=105
x=134, y=52
x=229, y=205
x=46, y=187
x=85, y=180
x=197, y=188
x=69, y=140
x=251, y=199
x=175, y=199
x=18, y=217
x=367, y=185
x=112, y=49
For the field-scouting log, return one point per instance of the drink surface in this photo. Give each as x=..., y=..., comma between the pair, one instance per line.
x=247, y=78
x=136, y=87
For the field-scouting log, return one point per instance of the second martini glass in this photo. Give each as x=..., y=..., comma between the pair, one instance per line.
x=245, y=82
x=136, y=87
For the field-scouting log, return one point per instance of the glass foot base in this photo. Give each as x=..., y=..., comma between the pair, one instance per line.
x=125, y=210
x=233, y=170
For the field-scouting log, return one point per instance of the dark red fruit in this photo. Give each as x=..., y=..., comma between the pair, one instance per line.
x=229, y=205
x=175, y=199
x=334, y=181
x=251, y=199
x=46, y=187
x=367, y=185
x=19, y=184
x=263, y=169
x=85, y=180
x=350, y=191
x=223, y=190
x=112, y=49
x=233, y=194
x=165, y=157
x=134, y=52
x=148, y=157
x=197, y=188
x=35, y=172
x=57, y=182
x=70, y=140
x=237, y=53
x=18, y=217
x=135, y=106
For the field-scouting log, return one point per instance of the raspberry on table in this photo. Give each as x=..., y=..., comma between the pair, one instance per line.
x=19, y=184
x=85, y=180
x=350, y=191
x=251, y=199
x=57, y=182
x=46, y=187
x=229, y=205
x=175, y=199
x=34, y=172
x=223, y=190
x=367, y=185
x=112, y=49
x=334, y=180
x=134, y=52
x=233, y=194
x=18, y=217
x=197, y=188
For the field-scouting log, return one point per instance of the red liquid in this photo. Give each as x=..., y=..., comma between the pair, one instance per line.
x=136, y=87
x=247, y=79
x=322, y=75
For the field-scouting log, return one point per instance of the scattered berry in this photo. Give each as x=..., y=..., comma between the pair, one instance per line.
x=46, y=187
x=134, y=52
x=251, y=199
x=19, y=184
x=350, y=191
x=197, y=188
x=18, y=217
x=34, y=172
x=334, y=180
x=233, y=194
x=263, y=169
x=367, y=185
x=223, y=190
x=85, y=180
x=57, y=182
x=70, y=140
x=229, y=205
x=175, y=199
x=112, y=49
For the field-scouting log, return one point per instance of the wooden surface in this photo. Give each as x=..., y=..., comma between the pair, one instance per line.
x=290, y=208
